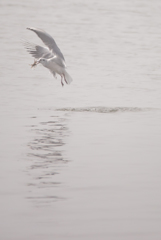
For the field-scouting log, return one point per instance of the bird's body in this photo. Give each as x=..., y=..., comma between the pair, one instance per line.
x=50, y=57
x=55, y=66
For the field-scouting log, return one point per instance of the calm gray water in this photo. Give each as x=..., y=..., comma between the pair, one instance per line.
x=83, y=161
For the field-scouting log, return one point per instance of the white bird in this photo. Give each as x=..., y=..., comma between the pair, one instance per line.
x=50, y=56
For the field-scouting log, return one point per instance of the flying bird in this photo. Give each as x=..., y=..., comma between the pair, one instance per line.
x=50, y=56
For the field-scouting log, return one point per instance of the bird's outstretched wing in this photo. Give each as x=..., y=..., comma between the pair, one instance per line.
x=37, y=51
x=48, y=41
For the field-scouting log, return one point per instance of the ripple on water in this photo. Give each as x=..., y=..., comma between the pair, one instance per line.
x=103, y=109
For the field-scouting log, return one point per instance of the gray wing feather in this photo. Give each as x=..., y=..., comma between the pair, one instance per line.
x=48, y=41
x=54, y=73
x=37, y=51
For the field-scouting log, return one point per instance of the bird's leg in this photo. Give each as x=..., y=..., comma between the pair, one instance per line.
x=62, y=81
x=65, y=79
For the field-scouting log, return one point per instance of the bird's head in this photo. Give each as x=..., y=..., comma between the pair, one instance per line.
x=43, y=61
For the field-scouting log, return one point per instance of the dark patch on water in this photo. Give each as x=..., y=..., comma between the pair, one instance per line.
x=103, y=109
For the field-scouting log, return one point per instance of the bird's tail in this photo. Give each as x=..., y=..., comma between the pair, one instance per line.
x=67, y=77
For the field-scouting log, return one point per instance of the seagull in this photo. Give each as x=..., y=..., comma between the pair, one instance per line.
x=49, y=56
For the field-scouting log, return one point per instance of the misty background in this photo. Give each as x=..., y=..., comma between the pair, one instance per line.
x=81, y=161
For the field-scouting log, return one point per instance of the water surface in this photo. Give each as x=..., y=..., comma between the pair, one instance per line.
x=82, y=161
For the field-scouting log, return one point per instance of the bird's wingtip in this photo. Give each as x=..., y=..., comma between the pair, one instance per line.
x=31, y=28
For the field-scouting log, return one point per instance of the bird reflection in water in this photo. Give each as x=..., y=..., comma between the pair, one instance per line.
x=46, y=155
